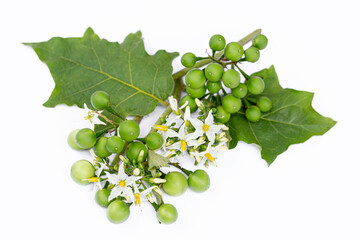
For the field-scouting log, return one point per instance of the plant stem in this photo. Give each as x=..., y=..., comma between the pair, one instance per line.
x=242, y=72
x=112, y=111
x=204, y=62
x=187, y=172
x=176, y=94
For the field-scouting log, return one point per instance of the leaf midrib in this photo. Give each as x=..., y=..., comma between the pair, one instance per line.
x=114, y=78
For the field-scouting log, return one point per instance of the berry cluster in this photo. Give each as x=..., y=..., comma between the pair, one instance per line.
x=216, y=76
x=127, y=178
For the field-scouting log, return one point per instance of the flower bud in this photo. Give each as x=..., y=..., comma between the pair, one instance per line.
x=158, y=191
x=199, y=104
x=157, y=180
x=150, y=198
x=136, y=172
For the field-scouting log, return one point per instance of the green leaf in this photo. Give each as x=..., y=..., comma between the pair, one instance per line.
x=135, y=80
x=155, y=160
x=291, y=120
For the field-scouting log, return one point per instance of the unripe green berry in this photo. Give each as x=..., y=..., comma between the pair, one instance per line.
x=214, y=72
x=253, y=113
x=213, y=87
x=221, y=115
x=234, y=51
x=264, y=103
x=240, y=91
x=115, y=144
x=72, y=141
x=260, y=41
x=217, y=42
x=154, y=140
x=100, y=100
x=231, y=78
x=191, y=103
x=100, y=148
x=117, y=212
x=195, y=78
x=133, y=151
x=82, y=170
x=85, y=138
x=231, y=104
x=196, y=92
x=167, y=214
x=252, y=54
x=129, y=130
x=255, y=85
x=102, y=197
x=188, y=60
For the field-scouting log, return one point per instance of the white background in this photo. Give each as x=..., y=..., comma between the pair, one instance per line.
x=310, y=192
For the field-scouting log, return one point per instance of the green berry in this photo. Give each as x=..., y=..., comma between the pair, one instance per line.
x=253, y=113
x=82, y=169
x=129, y=130
x=102, y=197
x=231, y=104
x=85, y=138
x=100, y=148
x=188, y=60
x=100, y=100
x=199, y=181
x=195, y=78
x=234, y=51
x=217, y=42
x=176, y=184
x=118, y=212
x=167, y=214
x=190, y=102
x=72, y=141
x=214, y=72
x=154, y=140
x=256, y=85
x=213, y=87
x=231, y=78
x=134, y=149
x=252, y=54
x=240, y=91
x=264, y=103
x=115, y=144
x=260, y=41
x=221, y=115
x=196, y=92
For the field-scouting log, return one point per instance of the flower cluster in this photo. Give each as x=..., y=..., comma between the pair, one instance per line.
x=199, y=137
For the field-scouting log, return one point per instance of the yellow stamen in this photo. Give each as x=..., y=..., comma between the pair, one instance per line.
x=122, y=183
x=137, y=198
x=160, y=128
x=183, y=145
x=93, y=179
x=208, y=155
x=206, y=127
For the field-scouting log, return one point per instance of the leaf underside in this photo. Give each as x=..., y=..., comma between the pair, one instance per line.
x=135, y=81
x=292, y=120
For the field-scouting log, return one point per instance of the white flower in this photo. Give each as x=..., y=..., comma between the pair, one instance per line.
x=171, y=155
x=208, y=127
x=97, y=180
x=165, y=128
x=143, y=196
x=184, y=137
x=122, y=183
x=174, y=105
x=209, y=154
x=91, y=116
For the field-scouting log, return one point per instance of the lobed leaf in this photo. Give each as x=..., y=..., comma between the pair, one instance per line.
x=291, y=120
x=135, y=81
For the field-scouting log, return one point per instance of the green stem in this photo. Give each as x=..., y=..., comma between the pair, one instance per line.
x=112, y=111
x=98, y=134
x=187, y=172
x=204, y=62
x=242, y=72
x=246, y=102
x=176, y=94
